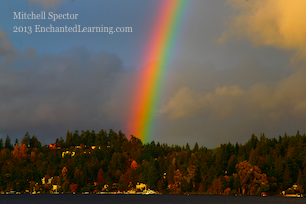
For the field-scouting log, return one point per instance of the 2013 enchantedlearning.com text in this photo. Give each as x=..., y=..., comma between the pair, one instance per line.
x=71, y=29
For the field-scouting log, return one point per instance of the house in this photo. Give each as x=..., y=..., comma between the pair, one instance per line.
x=141, y=186
x=68, y=152
x=52, y=146
x=54, y=188
x=43, y=180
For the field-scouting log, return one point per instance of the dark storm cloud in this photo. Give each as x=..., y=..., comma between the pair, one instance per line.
x=53, y=93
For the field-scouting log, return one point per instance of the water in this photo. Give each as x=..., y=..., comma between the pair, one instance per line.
x=150, y=199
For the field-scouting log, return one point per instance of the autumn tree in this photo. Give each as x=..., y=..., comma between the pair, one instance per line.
x=134, y=148
x=100, y=178
x=217, y=186
x=47, y=187
x=78, y=178
x=134, y=165
x=73, y=188
x=16, y=150
x=176, y=186
x=126, y=180
x=250, y=177
x=191, y=173
x=64, y=179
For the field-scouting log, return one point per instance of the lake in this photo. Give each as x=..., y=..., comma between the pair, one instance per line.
x=146, y=199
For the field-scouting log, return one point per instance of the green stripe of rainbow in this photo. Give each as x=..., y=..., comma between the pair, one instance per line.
x=151, y=77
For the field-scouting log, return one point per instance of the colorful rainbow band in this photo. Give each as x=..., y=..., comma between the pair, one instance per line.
x=151, y=77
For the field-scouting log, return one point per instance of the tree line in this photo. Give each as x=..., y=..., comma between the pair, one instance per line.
x=108, y=161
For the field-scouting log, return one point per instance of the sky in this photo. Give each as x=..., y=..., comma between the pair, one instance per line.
x=237, y=68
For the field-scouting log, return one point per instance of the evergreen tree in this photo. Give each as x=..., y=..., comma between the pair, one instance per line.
x=16, y=142
x=152, y=175
x=253, y=141
x=196, y=147
x=187, y=146
x=7, y=143
x=287, y=181
x=300, y=179
x=34, y=142
x=60, y=142
x=26, y=139
x=253, y=157
x=1, y=144
x=76, y=139
x=68, y=141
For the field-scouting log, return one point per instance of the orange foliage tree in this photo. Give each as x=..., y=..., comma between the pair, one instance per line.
x=176, y=186
x=134, y=165
x=100, y=178
x=73, y=187
x=250, y=177
x=217, y=186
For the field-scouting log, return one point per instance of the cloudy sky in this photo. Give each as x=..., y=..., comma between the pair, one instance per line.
x=238, y=68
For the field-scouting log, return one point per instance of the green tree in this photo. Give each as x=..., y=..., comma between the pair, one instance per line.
x=253, y=141
x=152, y=175
x=7, y=143
x=16, y=142
x=300, y=180
x=68, y=141
x=187, y=146
x=231, y=165
x=287, y=181
x=60, y=142
x=1, y=144
x=34, y=142
x=196, y=147
x=75, y=138
x=253, y=157
x=26, y=139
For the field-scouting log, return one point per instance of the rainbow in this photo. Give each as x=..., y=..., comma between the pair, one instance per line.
x=154, y=67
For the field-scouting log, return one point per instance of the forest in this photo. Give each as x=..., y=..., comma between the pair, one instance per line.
x=89, y=161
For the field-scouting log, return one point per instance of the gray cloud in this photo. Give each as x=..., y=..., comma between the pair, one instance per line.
x=213, y=106
x=55, y=92
x=229, y=102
